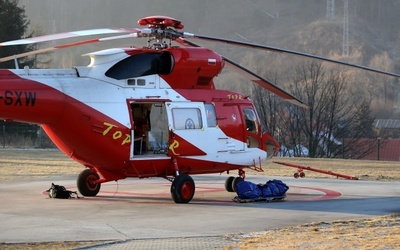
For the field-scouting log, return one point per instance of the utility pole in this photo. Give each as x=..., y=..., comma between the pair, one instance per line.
x=330, y=9
x=4, y=134
x=345, y=45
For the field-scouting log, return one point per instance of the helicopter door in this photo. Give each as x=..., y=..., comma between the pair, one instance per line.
x=140, y=122
x=149, y=129
x=185, y=124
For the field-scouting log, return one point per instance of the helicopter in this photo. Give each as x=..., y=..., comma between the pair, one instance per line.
x=146, y=112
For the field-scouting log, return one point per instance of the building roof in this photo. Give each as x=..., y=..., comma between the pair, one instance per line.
x=387, y=123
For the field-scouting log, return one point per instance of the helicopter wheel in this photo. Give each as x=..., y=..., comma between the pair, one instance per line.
x=85, y=183
x=235, y=181
x=228, y=184
x=182, y=189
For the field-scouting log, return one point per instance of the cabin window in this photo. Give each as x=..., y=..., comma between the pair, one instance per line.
x=211, y=117
x=142, y=65
x=187, y=118
x=250, y=120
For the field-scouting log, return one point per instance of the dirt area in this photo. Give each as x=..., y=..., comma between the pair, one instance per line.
x=48, y=245
x=368, y=233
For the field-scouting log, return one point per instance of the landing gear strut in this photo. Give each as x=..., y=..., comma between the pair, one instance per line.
x=86, y=183
x=182, y=188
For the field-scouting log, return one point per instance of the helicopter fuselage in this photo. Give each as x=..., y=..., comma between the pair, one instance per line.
x=140, y=113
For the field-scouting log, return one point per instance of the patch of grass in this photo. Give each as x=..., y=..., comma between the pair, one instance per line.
x=368, y=233
x=363, y=170
x=31, y=163
x=59, y=245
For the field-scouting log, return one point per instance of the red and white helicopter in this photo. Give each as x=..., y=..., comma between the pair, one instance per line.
x=145, y=112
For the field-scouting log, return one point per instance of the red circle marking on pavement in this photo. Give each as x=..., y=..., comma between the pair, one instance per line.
x=327, y=194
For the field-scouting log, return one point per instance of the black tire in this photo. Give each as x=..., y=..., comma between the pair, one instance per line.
x=85, y=183
x=228, y=184
x=235, y=181
x=182, y=189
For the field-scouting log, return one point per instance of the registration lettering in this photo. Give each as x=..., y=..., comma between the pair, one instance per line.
x=18, y=98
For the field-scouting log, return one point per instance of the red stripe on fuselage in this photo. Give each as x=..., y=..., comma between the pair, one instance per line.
x=77, y=129
x=28, y=101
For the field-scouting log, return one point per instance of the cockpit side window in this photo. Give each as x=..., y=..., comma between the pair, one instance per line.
x=142, y=65
x=211, y=117
x=251, y=121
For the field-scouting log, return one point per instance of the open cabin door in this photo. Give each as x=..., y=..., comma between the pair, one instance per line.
x=149, y=130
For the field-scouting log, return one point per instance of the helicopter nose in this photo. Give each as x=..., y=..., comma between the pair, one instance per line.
x=271, y=145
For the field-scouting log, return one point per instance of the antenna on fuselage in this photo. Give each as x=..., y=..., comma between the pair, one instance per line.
x=16, y=62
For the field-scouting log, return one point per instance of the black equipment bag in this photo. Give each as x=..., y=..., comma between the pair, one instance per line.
x=60, y=192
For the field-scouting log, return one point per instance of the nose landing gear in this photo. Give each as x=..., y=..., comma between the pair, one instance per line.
x=231, y=181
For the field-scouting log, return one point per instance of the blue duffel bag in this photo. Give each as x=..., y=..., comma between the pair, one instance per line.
x=248, y=190
x=273, y=188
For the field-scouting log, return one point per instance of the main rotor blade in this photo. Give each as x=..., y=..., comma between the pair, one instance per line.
x=279, y=50
x=67, y=45
x=253, y=77
x=72, y=34
x=264, y=83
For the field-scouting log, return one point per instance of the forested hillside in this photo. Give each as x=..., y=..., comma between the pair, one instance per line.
x=292, y=24
x=295, y=24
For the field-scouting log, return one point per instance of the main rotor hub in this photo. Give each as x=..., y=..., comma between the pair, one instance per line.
x=161, y=22
x=161, y=29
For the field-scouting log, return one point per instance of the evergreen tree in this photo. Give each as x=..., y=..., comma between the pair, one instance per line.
x=13, y=26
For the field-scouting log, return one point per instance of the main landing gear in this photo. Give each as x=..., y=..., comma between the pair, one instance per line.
x=182, y=188
x=231, y=182
x=86, y=183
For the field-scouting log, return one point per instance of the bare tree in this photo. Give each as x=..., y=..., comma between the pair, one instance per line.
x=267, y=106
x=42, y=60
x=334, y=123
x=383, y=87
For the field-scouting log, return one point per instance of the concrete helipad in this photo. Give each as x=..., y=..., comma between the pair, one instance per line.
x=134, y=211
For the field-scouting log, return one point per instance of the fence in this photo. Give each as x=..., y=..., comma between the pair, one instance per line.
x=381, y=149
x=21, y=135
